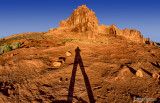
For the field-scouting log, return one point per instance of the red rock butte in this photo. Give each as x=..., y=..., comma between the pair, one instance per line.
x=84, y=21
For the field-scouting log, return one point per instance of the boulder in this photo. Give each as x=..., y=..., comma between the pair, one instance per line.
x=155, y=76
x=12, y=55
x=143, y=73
x=57, y=64
x=68, y=53
x=139, y=73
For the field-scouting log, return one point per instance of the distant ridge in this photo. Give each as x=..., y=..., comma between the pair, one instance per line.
x=24, y=35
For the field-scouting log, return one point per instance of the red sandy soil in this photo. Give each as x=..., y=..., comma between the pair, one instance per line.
x=104, y=73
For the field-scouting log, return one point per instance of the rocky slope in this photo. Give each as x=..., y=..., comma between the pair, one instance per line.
x=65, y=66
x=114, y=73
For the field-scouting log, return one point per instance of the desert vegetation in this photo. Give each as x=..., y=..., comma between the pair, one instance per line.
x=6, y=48
x=15, y=45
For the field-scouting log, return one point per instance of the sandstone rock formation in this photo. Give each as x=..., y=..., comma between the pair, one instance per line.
x=109, y=30
x=81, y=20
x=131, y=34
x=84, y=21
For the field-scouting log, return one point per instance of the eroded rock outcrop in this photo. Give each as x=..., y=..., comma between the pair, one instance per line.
x=131, y=34
x=109, y=30
x=84, y=21
x=81, y=20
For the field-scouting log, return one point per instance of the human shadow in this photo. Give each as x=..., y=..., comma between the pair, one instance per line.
x=78, y=60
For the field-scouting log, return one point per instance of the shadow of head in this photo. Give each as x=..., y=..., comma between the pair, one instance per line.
x=77, y=50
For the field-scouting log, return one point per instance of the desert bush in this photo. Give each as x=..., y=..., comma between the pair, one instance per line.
x=63, y=42
x=31, y=46
x=42, y=37
x=69, y=40
x=6, y=48
x=0, y=50
x=15, y=45
x=53, y=45
x=22, y=42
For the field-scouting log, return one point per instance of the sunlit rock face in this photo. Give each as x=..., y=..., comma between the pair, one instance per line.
x=84, y=21
x=131, y=34
x=81, y=20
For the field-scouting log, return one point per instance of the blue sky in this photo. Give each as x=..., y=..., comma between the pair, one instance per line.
x=18, y=16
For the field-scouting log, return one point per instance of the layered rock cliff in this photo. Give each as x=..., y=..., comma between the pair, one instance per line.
x=81, y=20
x=84, y=21
x=131, y=34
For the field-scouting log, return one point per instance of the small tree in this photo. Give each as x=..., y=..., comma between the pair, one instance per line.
x=6, y=48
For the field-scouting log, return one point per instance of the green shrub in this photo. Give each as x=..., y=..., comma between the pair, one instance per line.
x=63, y=42
x=69, y=40
x=0, y=50
x=15, y=45
x=6, y=48
x=31, y=46
x=22, y=42
x=53, y=45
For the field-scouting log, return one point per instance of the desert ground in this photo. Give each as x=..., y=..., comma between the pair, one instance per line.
x=80, y=62
x=104, y=72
